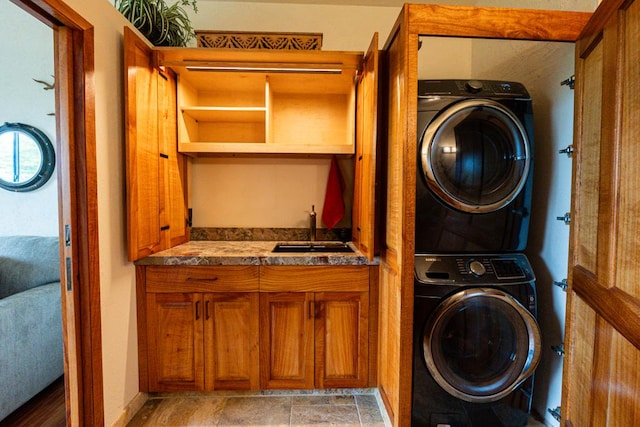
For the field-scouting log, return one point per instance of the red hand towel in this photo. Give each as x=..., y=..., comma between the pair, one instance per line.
x=333, y=209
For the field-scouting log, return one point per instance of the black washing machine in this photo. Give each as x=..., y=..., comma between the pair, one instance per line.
x=476, y=340
x=475, y=166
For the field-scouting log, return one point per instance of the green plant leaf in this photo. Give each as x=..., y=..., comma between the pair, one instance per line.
x=163, y=25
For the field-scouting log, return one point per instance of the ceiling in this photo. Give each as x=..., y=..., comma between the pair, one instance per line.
x=342, y=2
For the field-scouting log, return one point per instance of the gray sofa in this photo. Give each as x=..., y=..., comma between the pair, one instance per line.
x=31, y=355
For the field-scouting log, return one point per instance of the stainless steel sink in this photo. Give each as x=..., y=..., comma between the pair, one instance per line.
x=312, y=247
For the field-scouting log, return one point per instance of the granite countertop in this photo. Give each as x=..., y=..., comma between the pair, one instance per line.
x=207, y=252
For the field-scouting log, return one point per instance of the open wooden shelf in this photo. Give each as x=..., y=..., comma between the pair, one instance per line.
x=271, y=111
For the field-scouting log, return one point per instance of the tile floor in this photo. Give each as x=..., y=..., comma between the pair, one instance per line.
x=352, y=410
x=286, y=410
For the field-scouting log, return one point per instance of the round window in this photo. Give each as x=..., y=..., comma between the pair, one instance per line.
x=27, y=157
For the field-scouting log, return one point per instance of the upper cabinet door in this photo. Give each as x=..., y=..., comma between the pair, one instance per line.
x=156, y=172
x=174, y=217
x=601, y=375
x=367, y=171
x=142, y=150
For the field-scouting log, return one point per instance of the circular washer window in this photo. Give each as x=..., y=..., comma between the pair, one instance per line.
x=27, y=157
x=480, y=344
x=476, y=156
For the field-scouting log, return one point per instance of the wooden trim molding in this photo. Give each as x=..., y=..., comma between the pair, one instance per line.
x=496, y=23
x=259, y=40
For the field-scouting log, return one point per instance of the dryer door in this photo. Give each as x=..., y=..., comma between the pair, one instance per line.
x=475, y=155
x=480, y=344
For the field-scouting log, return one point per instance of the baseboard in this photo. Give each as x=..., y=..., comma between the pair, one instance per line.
x=131, y=410
x=383, y=408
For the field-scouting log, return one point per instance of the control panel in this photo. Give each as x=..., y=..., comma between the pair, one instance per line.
x=473, y=269
x=475, y=88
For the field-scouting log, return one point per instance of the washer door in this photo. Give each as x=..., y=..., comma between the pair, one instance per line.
x=476, y=156
x=480, y=344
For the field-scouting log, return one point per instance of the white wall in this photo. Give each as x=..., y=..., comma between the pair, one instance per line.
x=27, y=53
x=277, y=192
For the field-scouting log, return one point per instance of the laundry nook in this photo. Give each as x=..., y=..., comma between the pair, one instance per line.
x=317, y=212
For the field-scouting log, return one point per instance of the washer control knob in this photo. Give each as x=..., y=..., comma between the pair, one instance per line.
x=477, y=268
x=473, y=86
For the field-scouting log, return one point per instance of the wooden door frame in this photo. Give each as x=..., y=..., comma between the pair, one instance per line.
x=78, y=208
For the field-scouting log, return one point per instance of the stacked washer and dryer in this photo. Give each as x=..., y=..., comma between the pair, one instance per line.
x=476, y=339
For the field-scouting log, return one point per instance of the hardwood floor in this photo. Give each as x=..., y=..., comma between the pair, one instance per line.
x=46, y=409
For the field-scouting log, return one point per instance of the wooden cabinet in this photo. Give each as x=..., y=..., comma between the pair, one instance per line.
x=299, y=102
x=156, y=172
x=209, y=101
x=199, y=328
x=316, y=334
x=401, y=86
x=250, y=327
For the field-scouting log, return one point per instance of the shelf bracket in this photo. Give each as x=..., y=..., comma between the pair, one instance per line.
x=568, y=150
x=571, y=82
x=562, y=284
x=566, y=218
x=555, y=413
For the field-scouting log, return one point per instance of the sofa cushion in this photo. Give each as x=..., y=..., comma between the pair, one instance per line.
x=27, y=262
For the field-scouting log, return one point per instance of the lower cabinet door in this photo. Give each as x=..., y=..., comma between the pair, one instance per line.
x=286, y=340
x=314, y=340
x=342, y=339
x=231, y=341
x=174, y=333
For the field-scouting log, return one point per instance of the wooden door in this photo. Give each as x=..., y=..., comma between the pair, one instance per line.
x=142, y=151
x=602, y=365
x=341, y=339
x=174, y=226
x=156, y=172
x=231, y=341
x=367, y=169
x=286, y=340
x=175, y=340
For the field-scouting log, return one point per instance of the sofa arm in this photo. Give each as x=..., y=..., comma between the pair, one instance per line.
x=27, y=262
x=31, y=352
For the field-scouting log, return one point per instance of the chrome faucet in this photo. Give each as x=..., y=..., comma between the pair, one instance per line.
x=312, y=223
